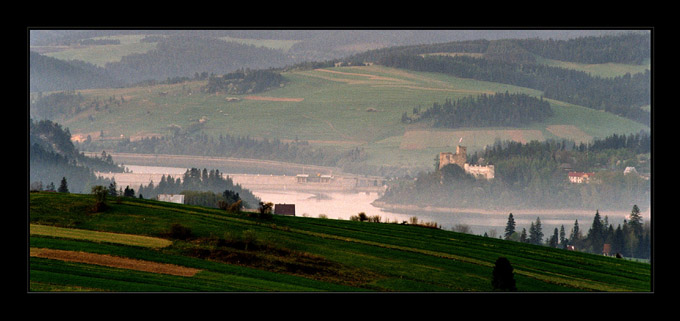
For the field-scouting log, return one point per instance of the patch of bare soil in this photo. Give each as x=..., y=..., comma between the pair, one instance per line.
x=113, y=261
x=273, y=98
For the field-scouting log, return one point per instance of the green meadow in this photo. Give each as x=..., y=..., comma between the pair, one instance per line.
x=242, y=253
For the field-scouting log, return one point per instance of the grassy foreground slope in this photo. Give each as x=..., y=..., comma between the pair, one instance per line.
x=73, y=249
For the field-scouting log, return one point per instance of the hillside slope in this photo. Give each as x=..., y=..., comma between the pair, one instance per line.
x=133, y=246
x=340, y=108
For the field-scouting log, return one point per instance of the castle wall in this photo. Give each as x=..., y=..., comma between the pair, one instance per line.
x=460, y=159
x=487, y=172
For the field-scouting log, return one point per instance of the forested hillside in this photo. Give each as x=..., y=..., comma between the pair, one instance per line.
x=513, y=62
x=186, y=55
x=52, y=157
x=533, y=175
x=50, y=74
x=514, y=110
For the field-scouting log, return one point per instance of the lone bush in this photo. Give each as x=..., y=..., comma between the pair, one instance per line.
x=100, y=193
x=177, y=231
x=503, y=276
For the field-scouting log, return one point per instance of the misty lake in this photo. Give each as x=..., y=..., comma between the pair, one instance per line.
x=343, y=205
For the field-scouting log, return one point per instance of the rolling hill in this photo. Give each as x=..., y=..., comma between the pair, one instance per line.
x=149, y=246
x=339, y=107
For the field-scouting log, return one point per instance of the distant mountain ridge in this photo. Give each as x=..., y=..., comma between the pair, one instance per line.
x=182, y=53
x=51, y=74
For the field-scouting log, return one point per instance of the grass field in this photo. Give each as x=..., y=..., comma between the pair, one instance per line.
x=341, y=108
x=238, y=253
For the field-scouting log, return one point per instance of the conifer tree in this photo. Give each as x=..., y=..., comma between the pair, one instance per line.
x=596, y=233
x=63, y=187
x=536, y=232
x=509, y=227
x=635, y=221
x=575, y=236
x=554, y=239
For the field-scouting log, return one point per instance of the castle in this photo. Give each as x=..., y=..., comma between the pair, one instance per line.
x=460, y=159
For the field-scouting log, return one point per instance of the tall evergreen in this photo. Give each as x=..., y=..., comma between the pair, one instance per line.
x=636, y=221
x=554, y=239
x=536, y=232
x=596, y=234
x=509, y=227
x=575, y=236
x=63, y=187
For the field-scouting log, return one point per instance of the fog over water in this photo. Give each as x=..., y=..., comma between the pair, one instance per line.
x=343, y=205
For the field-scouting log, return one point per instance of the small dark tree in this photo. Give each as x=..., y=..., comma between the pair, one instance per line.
x=554, y=239
x=510, y=227
x=503, y=276
x=100, y=198
x=265, y=210
x=129, y=192
x=63, y=187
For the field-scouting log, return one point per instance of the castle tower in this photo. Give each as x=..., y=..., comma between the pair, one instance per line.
x=461, y=151
x=459, y=158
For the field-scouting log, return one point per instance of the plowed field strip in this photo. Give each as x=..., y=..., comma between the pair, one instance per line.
x=113, y=261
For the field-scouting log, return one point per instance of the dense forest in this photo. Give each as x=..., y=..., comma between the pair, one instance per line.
x=534, y=175
x=244, y=82
x=513, y=110
x=53, y=157
x=513, y=62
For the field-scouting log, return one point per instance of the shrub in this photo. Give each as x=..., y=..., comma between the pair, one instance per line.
x=100, y=193
x=177, y=231
x=235, y=207
x=503, y=276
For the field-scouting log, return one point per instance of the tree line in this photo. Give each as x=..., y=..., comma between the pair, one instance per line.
x=484, y=110
x=199, y=188
x=630, y=239
x=296, y=151
x=627, y=48
x=244, y=81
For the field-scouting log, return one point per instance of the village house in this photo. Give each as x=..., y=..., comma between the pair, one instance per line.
x=305, y=178
x=580, y=177
x=284, y=209
x=172, y=198
x=630, y=170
